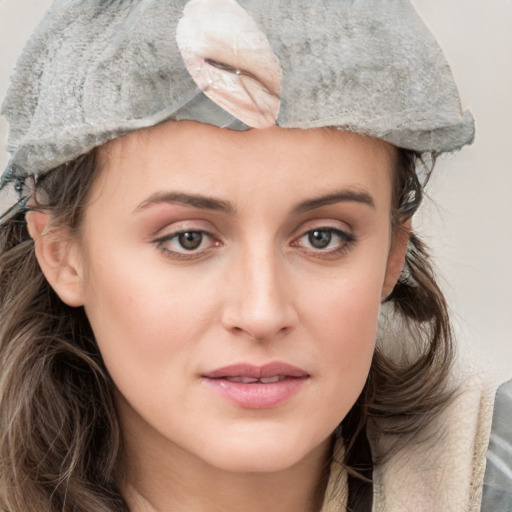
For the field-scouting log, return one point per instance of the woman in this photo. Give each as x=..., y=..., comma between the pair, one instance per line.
x=214, y=228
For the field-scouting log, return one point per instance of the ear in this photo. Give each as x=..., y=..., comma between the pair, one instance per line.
x=58, y=256
x=396, y=257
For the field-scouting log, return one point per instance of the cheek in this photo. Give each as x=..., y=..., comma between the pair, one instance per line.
x=348, y=323
x=144, y=319
x=345, y=301
x=342, y=317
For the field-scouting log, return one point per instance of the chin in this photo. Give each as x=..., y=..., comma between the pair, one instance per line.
x=270, y=461
x=265, y=452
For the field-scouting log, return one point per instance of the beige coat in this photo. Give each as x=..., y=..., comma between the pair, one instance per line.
x=442, y=471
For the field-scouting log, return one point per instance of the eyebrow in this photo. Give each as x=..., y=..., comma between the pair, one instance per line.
x=211, y=203
x=196, y=201
x=340, y=196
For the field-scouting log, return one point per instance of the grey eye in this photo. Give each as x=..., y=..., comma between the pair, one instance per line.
x=320, y=238
x=190, y=240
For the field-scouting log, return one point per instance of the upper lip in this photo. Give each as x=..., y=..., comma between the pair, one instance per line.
x=257, y=372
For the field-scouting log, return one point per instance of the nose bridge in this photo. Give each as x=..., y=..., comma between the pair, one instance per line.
x=260, y=302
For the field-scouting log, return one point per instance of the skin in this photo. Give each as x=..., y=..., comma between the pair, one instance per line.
x=256, y=291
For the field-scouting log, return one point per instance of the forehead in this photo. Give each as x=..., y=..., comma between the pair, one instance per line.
x=197, y=158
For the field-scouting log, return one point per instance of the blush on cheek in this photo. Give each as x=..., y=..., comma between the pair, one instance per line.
x=350, y=329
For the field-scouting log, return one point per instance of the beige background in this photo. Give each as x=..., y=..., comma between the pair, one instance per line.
x=468, y=221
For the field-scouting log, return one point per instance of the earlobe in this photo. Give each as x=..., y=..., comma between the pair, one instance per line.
x=58, y=256
x=396, y=257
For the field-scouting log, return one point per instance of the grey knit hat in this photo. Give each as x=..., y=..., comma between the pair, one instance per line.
x=97, y=69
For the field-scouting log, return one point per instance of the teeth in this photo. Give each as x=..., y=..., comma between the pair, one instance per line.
x=250, y=380
x=268, y=380
x=243, y=380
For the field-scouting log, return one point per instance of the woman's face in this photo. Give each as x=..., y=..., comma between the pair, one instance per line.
x=211, y=259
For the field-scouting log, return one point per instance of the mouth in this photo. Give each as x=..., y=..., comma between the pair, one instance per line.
x=263, y=380
x=257, y=387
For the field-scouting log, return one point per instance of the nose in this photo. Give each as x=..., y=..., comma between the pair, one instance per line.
x=259, y=301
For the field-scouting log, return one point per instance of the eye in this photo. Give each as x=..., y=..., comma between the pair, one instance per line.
x=320, y=238
x=188, y=242
x=325, y=239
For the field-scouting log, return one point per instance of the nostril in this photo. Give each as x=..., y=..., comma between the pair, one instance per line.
x=240, y=331
x=259, y=337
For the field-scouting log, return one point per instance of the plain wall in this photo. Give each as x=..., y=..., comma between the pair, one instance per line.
x=468, y=220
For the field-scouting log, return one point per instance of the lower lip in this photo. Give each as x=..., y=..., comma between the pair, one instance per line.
x=257, y=395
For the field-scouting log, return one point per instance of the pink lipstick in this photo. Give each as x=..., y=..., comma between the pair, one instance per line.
x=257, y=387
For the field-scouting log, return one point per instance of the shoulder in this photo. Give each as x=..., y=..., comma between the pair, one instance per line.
x=443, y=467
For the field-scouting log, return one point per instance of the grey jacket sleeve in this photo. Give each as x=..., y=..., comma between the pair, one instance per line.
x=497, y=492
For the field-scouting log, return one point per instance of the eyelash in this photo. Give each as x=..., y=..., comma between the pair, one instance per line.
x=163, y=242
x=346, y=240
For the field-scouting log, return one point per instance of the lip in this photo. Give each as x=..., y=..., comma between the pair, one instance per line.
x=257, y=395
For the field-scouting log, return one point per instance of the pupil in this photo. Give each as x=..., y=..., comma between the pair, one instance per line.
x=190, y=240
x=320, y=239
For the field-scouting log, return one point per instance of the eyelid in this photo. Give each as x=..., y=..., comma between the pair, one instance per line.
x=322, y=223
x=347, y=240
x=339, y=232
x=162, y=243
x=175, y=223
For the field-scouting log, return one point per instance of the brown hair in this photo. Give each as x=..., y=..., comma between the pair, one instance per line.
x=59, y=431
